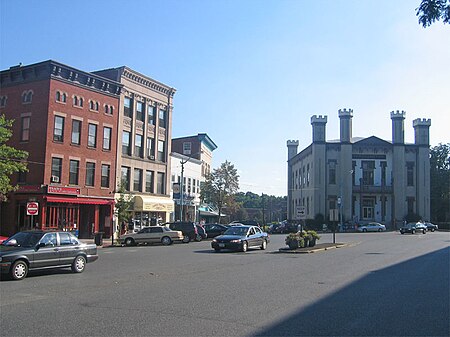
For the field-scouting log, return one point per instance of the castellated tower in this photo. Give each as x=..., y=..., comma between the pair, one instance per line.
x=398, y=128
x=345, y=117
x=292, y=148
x=422, y=140
x=318, y=128
x=422, y=131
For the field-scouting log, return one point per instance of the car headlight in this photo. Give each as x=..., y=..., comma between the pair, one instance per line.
x=235, y=241
x=214, y=240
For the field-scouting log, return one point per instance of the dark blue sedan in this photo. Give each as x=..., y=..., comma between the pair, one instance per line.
x=241, y=238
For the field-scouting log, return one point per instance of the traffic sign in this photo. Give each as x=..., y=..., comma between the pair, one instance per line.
x=32, y=208
x=301, y=212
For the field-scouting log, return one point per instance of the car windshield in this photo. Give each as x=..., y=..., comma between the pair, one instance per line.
x=240, y=231
x=25, y=239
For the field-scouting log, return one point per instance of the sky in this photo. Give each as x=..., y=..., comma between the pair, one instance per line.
x=251, y=73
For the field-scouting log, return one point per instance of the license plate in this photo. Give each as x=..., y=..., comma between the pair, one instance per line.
x=221, y=245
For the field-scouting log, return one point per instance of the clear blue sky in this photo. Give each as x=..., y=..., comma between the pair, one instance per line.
x=251, y=73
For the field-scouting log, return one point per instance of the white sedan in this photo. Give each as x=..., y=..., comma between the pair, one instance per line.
x=152, y=234
x=372, y=227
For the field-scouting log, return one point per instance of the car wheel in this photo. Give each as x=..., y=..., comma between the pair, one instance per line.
x=244, y=246
x=129, y=242
x=79, y=264
x=19, y=270
x=217, y=250
x=432, y=229
x=364, y=230
x=424, y=231
x=264, y=245
x=186, y=239
x=413, y=231
x=402, y=232
x=198, y=238
x=380, y=230
x=166, y=241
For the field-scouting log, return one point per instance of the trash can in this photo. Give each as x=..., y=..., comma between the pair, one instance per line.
x=98, y=239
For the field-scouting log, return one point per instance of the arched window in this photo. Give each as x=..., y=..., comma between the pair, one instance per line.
x=81, y=101
x=64, y=97
x=91, y=105
x=27, y=96
x=58, y=96
x=96, y=106
x=75, y=100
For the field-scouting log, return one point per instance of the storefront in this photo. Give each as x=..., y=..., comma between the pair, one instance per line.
x=151, y=211
x=62, y=208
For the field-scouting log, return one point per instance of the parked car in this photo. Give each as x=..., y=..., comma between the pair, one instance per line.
x=276, y=228
x=201, y=233
x=33, y=250
x=431, y=226
x=412, y=228
x=214, y=229
x=241, y=238
x=153, y=234
x=371, y=227
x=188, y=229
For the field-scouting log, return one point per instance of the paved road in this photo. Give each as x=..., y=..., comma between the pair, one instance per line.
x=383, y=284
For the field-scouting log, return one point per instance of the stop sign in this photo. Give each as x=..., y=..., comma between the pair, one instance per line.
x=32, y=208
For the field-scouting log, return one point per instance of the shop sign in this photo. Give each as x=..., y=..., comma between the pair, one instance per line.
x=63, y=190
x=29, y=189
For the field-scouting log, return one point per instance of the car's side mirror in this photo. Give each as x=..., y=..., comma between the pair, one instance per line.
x=12, y=242
x=40, y=245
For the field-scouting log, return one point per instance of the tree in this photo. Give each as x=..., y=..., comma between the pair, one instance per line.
x=11, y=159
x=440, y=182
x=430, y=11
x=123, y=205
x=219, y=185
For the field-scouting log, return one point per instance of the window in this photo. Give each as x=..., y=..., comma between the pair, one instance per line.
x=410, y=174
x=61, y=97
x=137, y=180
x=138, y=146
x=107, y=132
x=127, y=107
x=58, y=131
x=105, y=175
x=161, y=153
x=187, y=147
x=162, y=118
x=368, y=173
x=332, y=172
x=77, y=101
x=65, y=239
x=27, y=97
x=74, y=172
x=92, y=135
x=126, y=146
x=93, y=105
x=3, y=100
x=90, y=174
x=149, y=181
x=109, y=109
x=76, y=132
x=56, y=169
x=140, y=111
x=160, y=183
x=150, y=115
x=383, y=165
x=125, y=177
x=150, y=148
x=25, y=129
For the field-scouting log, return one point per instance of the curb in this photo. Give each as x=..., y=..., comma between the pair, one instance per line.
x=312, y=249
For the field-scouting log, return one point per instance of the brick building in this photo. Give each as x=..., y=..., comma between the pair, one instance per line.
x=66, y=119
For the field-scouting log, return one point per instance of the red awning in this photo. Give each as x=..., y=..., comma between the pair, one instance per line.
x=90, y=201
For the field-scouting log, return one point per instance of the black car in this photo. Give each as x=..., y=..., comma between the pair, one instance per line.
x=241, y=238
x=276, y=228
x=413, y=228
x=32, y=250
x=214, y=229
x=188, y=229
x=201, y=233
x=431, y=226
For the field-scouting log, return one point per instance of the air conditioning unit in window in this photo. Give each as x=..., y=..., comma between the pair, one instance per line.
x=55, y=179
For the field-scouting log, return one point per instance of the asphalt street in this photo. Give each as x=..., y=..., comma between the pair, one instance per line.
x=381, y=284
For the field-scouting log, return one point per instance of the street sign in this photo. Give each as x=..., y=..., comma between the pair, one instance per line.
x=32, y=208
x=300, y=212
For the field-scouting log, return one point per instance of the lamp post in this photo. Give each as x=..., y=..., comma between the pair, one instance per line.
x=182, y=187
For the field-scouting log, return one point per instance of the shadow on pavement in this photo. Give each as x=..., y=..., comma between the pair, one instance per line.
x=411, y=298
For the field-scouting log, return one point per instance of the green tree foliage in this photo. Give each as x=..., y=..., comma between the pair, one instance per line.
x=123, y=205
x=430, y=11
x=11, y=159
x=219, y=185
x=274, y=207
x=440, y=182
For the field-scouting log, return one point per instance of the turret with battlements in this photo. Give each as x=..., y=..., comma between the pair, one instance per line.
x=318, y=127
x=422, y=131
x=398, y=128
x=292, y=148
x=345, y=117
